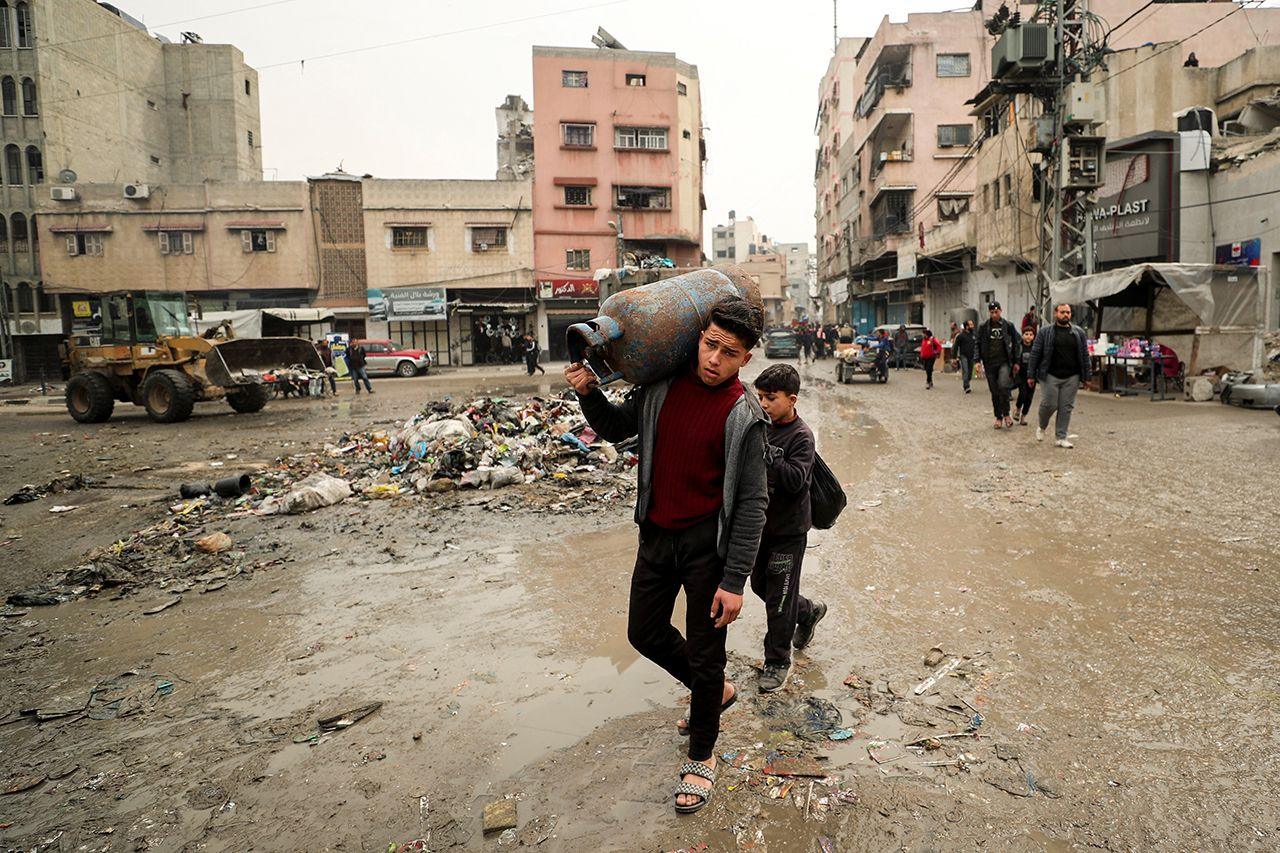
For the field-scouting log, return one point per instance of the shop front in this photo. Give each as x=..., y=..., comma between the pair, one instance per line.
x=486, y=325
x=566, y=301
x=415, y=318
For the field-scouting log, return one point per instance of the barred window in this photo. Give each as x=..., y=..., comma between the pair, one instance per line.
x=573, y=79
x=577, y=196
x=577, y=259
x=953, y=65
x=579, y=135
x=955, y=135
x=409, y=238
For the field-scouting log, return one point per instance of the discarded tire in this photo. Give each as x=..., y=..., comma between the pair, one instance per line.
x=168, y=396
x=249, y=399
x=89, y=398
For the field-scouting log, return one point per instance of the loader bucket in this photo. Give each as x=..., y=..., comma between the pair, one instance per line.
x=242, y=361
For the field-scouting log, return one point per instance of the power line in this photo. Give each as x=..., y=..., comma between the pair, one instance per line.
x=166, y=24
x=1180, y=41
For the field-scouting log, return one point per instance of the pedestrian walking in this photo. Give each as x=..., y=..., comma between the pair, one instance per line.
x=930, y=349
x=702, y=491
x=790, y=451
x=999, y=347
x=966, y=352
x=356, y=361
x=1030, y=320
x=1059, y=362
x=900, y=342
x=326, y=358
x=1026, y=382
x=531, y=353
x=806, y=342
x=820, y=342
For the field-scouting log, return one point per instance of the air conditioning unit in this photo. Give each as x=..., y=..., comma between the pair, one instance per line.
x=62, y=193
x=1026, y=47
x=136, y=191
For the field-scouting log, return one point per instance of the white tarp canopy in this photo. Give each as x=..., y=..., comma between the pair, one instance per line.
x=247, y=322
x=1214, y=313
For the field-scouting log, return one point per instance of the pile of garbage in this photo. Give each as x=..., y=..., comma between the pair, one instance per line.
x=64, y=482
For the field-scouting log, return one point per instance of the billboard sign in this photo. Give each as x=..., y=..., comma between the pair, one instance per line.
x=422, y=304
x=569, y=288
x=1134, y=217
x=1246, y=253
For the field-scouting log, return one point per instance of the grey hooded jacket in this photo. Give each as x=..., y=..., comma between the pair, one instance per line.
x=746, y=482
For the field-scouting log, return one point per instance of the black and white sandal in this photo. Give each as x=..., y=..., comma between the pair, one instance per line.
x=702, y=771
x=682, y=726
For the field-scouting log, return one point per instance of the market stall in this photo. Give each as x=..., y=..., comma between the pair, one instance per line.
x=309, y=323
x=1163, y=321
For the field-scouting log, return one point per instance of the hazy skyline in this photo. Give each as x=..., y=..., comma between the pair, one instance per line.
x=424, y=109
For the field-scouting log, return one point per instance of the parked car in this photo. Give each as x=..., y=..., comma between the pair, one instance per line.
x=915, y=335
x=781, y=343
x=384, y=357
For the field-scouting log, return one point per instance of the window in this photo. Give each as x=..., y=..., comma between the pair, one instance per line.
x=488, y=238
x=35, y=166
x=955, y=135
x=177, y=242
x=26, y=298
x=29, y=97
x=82, y=243
x=151, y=105
x=19, y=230
x=573, y=79
x=953, y=65
x=682, y=89
x=1008, y=189
x=4, y=235
x=409, y=237
x=6, y=38
x=155, y=161
x=985, y=298
x=950, y=209
x=247, y=89
x=577, y=259
x=257, y=240
x=578, y=135
x=721, y=253
x=635, y=79
x=986, y=197
x=577, y=196
x=995, y=194
x=643, y=198
x=13, y=165
x=26, y=33
x=249, y=134
x=644, y=138
x=9, y=101
x=686, y=134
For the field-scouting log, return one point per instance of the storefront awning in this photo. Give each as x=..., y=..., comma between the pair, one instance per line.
x=520, y=307
x=300, y=315
x=1218, y=295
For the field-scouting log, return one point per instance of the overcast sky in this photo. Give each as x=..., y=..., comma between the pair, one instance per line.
x=425, y=109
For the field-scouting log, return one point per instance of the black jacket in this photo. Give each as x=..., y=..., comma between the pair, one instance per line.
x=1012, y=341
x=966, y=346
x=1042, y=353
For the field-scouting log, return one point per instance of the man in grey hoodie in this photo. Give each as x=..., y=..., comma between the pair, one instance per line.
x=702, y=491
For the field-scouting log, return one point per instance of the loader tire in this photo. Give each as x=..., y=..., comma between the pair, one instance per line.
x=168, y=396
x=249, y=399
x=89, y=398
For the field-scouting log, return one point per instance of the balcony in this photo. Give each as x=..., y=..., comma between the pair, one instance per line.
x=891, y=212
x=892, y=70
x=890, y=141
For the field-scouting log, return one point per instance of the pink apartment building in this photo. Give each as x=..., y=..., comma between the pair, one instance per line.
x=618, y=154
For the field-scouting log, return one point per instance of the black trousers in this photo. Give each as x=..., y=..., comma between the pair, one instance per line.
x=666, y=562
x=927, y=364
x=776, y=579
x=998, y=380
x=1025, y=394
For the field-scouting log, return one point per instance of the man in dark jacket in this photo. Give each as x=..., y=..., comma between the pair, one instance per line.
x=702, y=491
x=326, y=357
x=1060, y=363
x=1000, y=348
x=966, y=352
x=356, y=361
x=900, y=341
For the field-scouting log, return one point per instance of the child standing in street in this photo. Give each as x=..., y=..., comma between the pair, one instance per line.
x=1026, y=391
x=776, y=578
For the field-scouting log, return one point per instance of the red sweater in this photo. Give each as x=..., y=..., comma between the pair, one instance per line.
x=688, y=454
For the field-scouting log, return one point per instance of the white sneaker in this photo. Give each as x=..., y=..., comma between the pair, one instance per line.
x=1039, y=434
x=1062, y=442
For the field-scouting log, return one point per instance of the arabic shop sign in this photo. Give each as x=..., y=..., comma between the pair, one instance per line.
x=568, y=288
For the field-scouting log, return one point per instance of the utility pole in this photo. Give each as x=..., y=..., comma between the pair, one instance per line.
x=835, y=28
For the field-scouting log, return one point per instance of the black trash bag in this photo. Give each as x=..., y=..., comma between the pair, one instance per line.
x=826, y=496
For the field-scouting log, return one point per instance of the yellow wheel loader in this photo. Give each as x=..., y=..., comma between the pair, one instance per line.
x=143, y=351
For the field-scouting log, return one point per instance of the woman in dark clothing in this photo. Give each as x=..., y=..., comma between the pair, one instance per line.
x=930, y=349
x=1025, y=390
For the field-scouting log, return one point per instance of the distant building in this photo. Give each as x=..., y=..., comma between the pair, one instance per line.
x=90, y=96
x=515, y=139
x=738, y=240
x=618, y=150
x=796, y=257
x=769, y=271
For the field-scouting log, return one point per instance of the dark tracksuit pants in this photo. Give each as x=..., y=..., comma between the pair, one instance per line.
x=1025, y=394
x=776, y=580
x=666, y=562
x=999, y=380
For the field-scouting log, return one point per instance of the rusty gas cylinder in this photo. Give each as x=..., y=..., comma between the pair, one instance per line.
x=649, y=332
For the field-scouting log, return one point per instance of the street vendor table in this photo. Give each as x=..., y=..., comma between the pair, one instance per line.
x=1119, y=369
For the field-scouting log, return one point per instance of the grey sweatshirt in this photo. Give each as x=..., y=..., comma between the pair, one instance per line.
x=746, y=494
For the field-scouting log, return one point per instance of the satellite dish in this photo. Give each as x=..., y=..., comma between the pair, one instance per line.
x=603, y=39
x=67, y=176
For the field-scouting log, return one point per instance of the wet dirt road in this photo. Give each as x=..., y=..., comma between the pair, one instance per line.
x=1118, y=603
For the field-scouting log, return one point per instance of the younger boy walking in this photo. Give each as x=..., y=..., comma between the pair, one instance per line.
x=776, y=577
